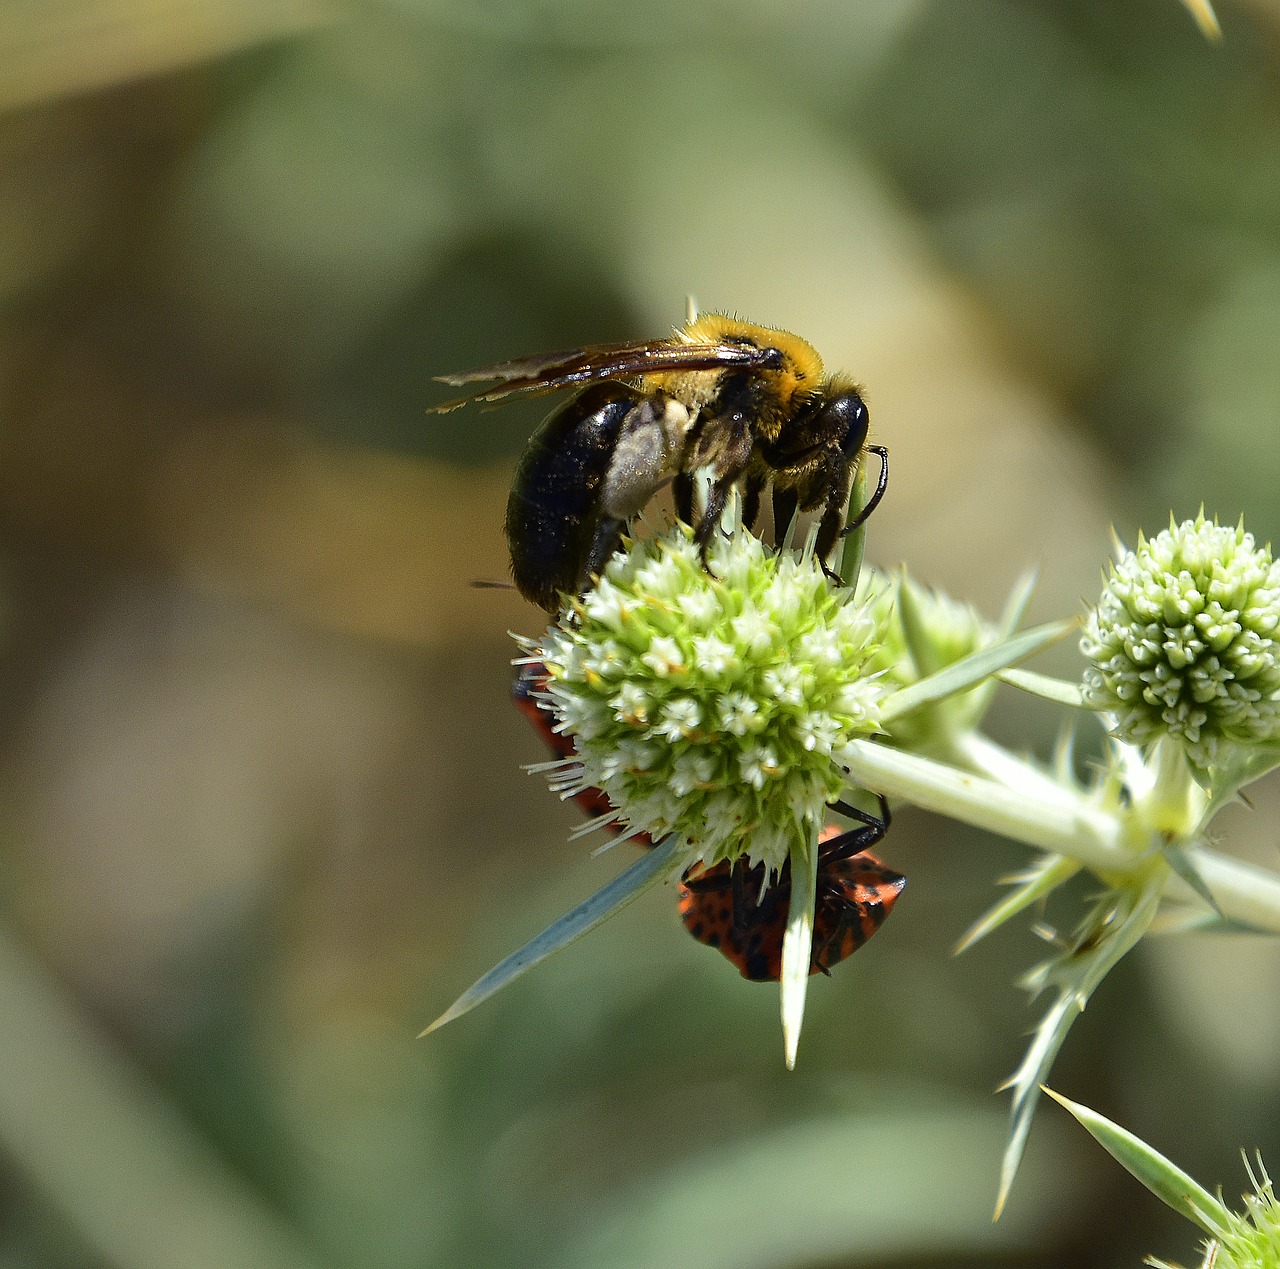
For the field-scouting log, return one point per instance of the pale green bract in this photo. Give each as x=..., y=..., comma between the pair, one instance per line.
x=1184, y=642
x=1236, y=1240
x=714, y=702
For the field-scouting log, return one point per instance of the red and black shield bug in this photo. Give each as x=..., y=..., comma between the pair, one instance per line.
x=723, y=907
x=530, y=682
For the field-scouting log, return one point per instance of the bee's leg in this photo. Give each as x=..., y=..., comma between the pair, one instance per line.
x=829, y=526
x=751, y=501
x=728, y=465
x=881, y=485
x=604, y=542
x=785, y=504
x=647, y=453
x=682, y=491
x=717, y=496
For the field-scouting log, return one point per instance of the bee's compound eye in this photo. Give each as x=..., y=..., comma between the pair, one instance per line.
x=845, y=416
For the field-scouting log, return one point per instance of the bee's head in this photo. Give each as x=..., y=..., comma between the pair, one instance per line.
x=843, y=415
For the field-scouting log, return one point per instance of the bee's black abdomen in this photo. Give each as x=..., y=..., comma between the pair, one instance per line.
x=554, y=527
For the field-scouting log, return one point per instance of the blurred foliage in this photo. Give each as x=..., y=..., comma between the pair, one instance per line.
x=260, y=801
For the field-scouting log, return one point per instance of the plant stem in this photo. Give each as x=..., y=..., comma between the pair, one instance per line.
x=1067, y=824
x=1243, y=891
x=988, y=758
x=1168, y=805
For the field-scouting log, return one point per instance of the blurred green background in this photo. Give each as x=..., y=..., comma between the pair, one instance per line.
x=261, y=808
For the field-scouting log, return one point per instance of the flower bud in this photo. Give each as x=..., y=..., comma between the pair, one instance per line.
x=1183, y=642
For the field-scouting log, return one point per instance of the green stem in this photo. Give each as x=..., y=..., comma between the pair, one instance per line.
x=1066, y=824
x=974, y=750
x=1168, y=804
x=1244, y=892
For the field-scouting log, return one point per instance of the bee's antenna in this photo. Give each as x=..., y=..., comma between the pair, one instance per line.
x=480, y=583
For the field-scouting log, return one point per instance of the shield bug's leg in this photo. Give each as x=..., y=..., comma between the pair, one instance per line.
x=856, y=840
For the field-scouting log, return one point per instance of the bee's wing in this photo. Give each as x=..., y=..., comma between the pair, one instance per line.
x=549, y=372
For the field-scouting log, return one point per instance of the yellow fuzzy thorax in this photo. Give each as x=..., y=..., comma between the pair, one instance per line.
x=799, y=376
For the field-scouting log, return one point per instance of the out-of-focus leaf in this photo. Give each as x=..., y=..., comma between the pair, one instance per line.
x=1059, y=691
x=1045, y=875
x=92, y=1133
x=1205, y=18
x=1015, y=606
x=898, y=1184
x=59, y=48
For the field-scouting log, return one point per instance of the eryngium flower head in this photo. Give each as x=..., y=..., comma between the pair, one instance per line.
x=714, y=704
x=1184, y=641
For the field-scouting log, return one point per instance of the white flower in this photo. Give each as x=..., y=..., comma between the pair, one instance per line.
x=712, y=701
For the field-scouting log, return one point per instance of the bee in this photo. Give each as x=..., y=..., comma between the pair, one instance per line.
x=748, y=405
